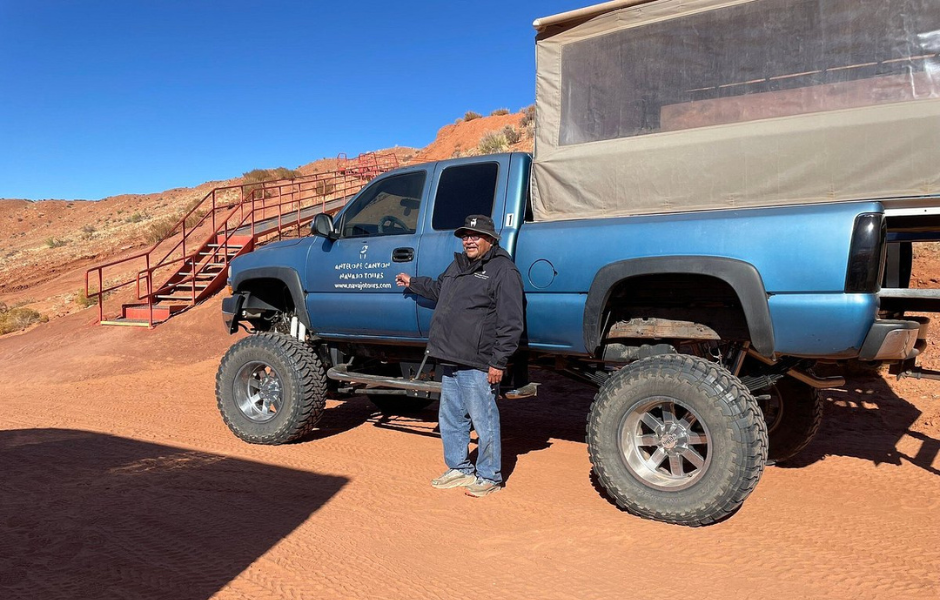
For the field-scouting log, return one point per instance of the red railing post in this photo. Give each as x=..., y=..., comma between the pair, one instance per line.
x=100, y=295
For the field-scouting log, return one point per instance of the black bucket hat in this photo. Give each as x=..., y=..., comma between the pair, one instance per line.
x=478, y=224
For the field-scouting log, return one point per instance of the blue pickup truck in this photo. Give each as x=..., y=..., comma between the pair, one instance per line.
x=668, y=258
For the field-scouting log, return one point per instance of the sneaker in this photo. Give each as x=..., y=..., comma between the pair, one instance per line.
x=529, y=390
x=452, y=479
x=482, y=487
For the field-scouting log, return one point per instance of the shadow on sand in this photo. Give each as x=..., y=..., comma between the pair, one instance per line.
x=865, y=420
x=88, y=515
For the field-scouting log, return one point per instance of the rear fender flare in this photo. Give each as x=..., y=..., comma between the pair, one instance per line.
x=743, y=278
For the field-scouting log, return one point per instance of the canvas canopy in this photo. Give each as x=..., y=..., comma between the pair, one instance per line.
x=679, y=105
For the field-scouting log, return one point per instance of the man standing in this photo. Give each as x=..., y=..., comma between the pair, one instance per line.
x=475, y=329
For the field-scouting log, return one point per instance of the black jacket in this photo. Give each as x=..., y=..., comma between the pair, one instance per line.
x=479, y=317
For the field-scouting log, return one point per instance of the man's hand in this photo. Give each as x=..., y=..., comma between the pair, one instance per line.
x=494, y=375
x=403, y=279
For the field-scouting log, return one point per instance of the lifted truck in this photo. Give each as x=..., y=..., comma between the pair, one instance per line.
x=694, y=234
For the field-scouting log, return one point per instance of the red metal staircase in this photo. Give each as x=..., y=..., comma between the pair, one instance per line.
x=192, y=259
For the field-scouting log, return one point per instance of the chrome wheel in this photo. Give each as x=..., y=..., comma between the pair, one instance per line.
x=665, y=445
x=258, y=391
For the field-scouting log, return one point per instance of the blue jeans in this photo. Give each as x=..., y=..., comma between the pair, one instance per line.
x=466, y=396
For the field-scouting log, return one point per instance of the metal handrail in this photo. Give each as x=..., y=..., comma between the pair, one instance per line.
x=318, y=187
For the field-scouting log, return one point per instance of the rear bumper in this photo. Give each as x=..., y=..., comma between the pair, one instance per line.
x=890, y=339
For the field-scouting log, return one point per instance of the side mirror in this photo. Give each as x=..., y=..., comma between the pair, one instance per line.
x=323, y=226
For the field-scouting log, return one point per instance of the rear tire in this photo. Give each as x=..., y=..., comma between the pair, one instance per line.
x=793, y=416
x=271, y=388
x=678, y=439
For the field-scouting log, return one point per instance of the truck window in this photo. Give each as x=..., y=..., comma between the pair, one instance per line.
x=749, y=61
x=387, y=207
x=464, y=190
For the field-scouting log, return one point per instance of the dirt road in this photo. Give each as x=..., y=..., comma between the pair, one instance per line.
x=121, y=481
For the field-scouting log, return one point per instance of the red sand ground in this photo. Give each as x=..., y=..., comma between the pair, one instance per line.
x=120, y=480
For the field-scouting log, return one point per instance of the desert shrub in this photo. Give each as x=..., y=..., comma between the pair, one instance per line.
x=512, y=134
x=255, y=175
x=493, y=142
x=528, y=115
x=84, y=301
x=54, y=242
x=285, y=173
x=259, y=175
x=137, y=217
x=499, y=112
x=88, y=229
x=254, y=178
x=470, y=115
x=193, y=219
x=325, y=187
x=16, y=319
x=528, y=121
x=159, y=230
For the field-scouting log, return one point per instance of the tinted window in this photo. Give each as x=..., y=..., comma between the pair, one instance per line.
x=464, y=190
x=387, y=207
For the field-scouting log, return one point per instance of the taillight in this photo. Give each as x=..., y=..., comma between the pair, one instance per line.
x=867, y=254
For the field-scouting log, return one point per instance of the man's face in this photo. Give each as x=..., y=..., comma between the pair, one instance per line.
x=476, y=245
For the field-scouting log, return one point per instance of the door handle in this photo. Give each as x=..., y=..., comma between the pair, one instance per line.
x=403, y=254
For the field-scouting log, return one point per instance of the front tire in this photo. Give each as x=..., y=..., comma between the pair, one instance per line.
x=678, y=439
x=271, y=388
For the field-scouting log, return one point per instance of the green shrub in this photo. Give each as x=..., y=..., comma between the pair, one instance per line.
x=470, y=115
x=137, y=217
x=493, y=142
x=54, y=242
x=17, y=319
x=499, y=112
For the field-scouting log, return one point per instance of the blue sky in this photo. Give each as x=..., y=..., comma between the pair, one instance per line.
x=105, y=97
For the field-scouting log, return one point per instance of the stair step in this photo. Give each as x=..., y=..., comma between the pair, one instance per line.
x=127, y=322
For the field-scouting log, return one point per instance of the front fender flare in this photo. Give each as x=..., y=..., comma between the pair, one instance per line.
x=289, y=277
x=743, y=278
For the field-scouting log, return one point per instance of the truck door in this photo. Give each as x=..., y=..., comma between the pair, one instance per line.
x=351, y=281
x=459, y=190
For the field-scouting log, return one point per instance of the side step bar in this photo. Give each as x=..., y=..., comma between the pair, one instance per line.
x=342, y=373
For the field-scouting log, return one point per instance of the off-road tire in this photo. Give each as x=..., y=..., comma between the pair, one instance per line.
x=299, y=375
x=796, y=419
x=399, y=405
x=726, y=418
